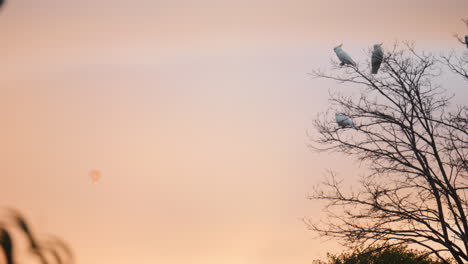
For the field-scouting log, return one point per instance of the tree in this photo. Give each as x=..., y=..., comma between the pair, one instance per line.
x=458, y=64
x=381, y=254
x=50, y=251
x=415, y=146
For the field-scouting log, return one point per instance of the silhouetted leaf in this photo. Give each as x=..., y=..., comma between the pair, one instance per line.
x=21, y=222
x=58, y=243
x=41, y=256
x=7, y=245
x=55, y=255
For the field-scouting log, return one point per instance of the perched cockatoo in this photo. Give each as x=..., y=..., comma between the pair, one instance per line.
x=377, y=58
x=343, y=120
x=343, y=56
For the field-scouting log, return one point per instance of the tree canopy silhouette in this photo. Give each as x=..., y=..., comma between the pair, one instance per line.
x=381, y=254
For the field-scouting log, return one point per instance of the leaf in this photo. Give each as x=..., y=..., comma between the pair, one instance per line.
x=7, y=245
x=55, y=255
x=64, y=247
x=21, y=223
x=41, y=256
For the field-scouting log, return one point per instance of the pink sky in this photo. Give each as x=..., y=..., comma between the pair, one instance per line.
x=194, y=111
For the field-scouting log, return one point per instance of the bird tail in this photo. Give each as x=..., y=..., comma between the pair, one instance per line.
x=374, y=70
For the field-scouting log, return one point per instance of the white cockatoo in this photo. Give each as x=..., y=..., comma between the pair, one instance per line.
x=377, y=58
x=343, y=56
x=343, y=120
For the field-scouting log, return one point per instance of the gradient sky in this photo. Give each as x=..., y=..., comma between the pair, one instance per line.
x=195, y=112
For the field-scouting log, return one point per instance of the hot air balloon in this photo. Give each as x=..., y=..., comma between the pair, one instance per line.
x=343, y=56
x=343, y=120
x=95, y=176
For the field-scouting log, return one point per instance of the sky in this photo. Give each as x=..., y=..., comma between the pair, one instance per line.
x=196, y=114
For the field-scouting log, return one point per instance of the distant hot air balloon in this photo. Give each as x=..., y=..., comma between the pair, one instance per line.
x=95, y=176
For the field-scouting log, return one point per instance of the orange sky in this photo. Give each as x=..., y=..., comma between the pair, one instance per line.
x=195, y=111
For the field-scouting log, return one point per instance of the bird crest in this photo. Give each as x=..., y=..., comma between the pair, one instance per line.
x=339, y=46
x=378, y=45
